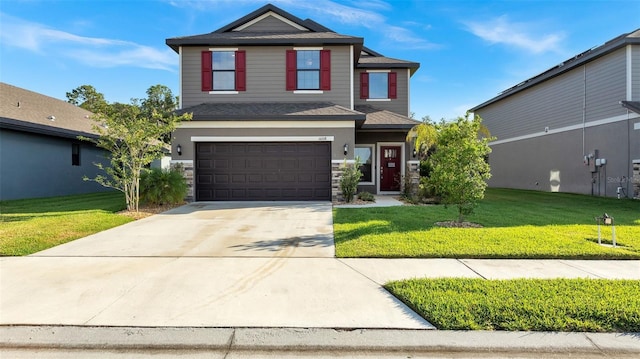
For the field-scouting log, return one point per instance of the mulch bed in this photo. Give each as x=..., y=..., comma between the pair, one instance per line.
x=146, y=210
x=454, y=224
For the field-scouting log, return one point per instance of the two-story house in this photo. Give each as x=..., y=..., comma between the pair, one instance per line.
x=280, y=103
x=573, y=128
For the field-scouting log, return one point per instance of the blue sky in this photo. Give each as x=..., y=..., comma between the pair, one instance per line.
x=469, y=51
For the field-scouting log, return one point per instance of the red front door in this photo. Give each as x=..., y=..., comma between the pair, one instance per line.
x=390, y=166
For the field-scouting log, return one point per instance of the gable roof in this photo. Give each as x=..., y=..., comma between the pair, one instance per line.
x=263, y=11
x=303, y=32
x=29, y=111
x=630, y=38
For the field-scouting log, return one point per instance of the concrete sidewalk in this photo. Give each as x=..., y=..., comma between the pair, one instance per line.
x=82, y=342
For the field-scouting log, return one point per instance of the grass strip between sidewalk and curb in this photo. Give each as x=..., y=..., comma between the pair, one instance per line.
x=31, y=225
x=515, y=224
x=562, y=305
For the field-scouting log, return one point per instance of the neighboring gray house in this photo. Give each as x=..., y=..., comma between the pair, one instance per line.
x=40, y=155
x=573, y=128
x=279, y=103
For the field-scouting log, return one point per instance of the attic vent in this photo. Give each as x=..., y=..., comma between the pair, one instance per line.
x=52, y=118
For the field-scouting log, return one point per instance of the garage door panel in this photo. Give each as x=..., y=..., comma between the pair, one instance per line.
x=263, y=171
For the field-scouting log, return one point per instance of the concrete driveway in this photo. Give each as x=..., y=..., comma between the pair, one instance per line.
x=223, y=264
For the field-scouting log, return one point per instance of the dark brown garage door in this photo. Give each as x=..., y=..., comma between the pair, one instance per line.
x=263, y=171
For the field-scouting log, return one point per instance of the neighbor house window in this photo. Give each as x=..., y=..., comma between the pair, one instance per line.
x=308, y=70
x=364, y=153
x=378, y=85
x=75, y=154
x=224, y=70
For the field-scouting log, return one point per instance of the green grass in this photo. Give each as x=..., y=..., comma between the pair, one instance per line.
x=585, y=305
x=516, y=224
x=31, y=225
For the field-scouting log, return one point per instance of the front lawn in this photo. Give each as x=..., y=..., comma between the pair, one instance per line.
x=582, y=305
x=516, y=224
x=31, y=225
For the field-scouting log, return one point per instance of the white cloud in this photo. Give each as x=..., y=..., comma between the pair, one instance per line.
x=502, y=31
x=91, y=51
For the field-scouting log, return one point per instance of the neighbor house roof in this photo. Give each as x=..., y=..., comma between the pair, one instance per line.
x=272, y=111
x=29, y=111
x=377, y=119
x=631, y=105
x=631, y=38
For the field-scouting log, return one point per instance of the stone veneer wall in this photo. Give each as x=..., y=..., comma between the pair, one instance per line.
x=413, y=172
x=336, y=175
x=187, y=167
x=636, y=179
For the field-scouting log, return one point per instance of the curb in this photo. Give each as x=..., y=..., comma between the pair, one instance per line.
x=313, y=340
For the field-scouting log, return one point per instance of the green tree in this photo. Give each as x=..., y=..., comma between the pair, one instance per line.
x=130, y=134
x=423, y=136
x=87, y=97
x=459, y=170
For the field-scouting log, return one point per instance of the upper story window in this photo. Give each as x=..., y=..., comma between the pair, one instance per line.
x=378, y=85
x=308, y=69
x=224, y=70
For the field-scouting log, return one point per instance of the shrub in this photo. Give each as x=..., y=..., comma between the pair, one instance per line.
x=158, y=186
x=366, y=196
x=350, y=179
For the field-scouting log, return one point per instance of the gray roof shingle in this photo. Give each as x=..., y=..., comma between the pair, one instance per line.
x=30, y=111
x=272, y=111
x=378, y=119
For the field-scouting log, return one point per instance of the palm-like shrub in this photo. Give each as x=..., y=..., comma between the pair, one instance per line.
x=159, y=186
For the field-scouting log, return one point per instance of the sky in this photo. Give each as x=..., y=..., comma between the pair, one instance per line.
x=469, y=51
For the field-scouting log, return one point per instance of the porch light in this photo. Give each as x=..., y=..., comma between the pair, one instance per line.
x=415, y=153
x=346, y=148
x=179, y=149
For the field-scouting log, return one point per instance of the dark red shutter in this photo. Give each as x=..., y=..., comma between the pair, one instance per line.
x=325, y=69
x=241, y=71
x=207, y=79
x=291, y=70
x=364, y=85
x=393, y=85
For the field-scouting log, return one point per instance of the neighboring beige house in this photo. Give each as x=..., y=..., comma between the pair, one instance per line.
x=574, y=128
x=40, y=154
x=279, y=103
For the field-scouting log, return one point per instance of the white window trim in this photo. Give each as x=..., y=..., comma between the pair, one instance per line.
x=223, y=92
x=308, y=92
x=373, y=162
x=379, y=99
x=387, y=71
x=310, y=48
x=402, y=164
x=223, y=49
